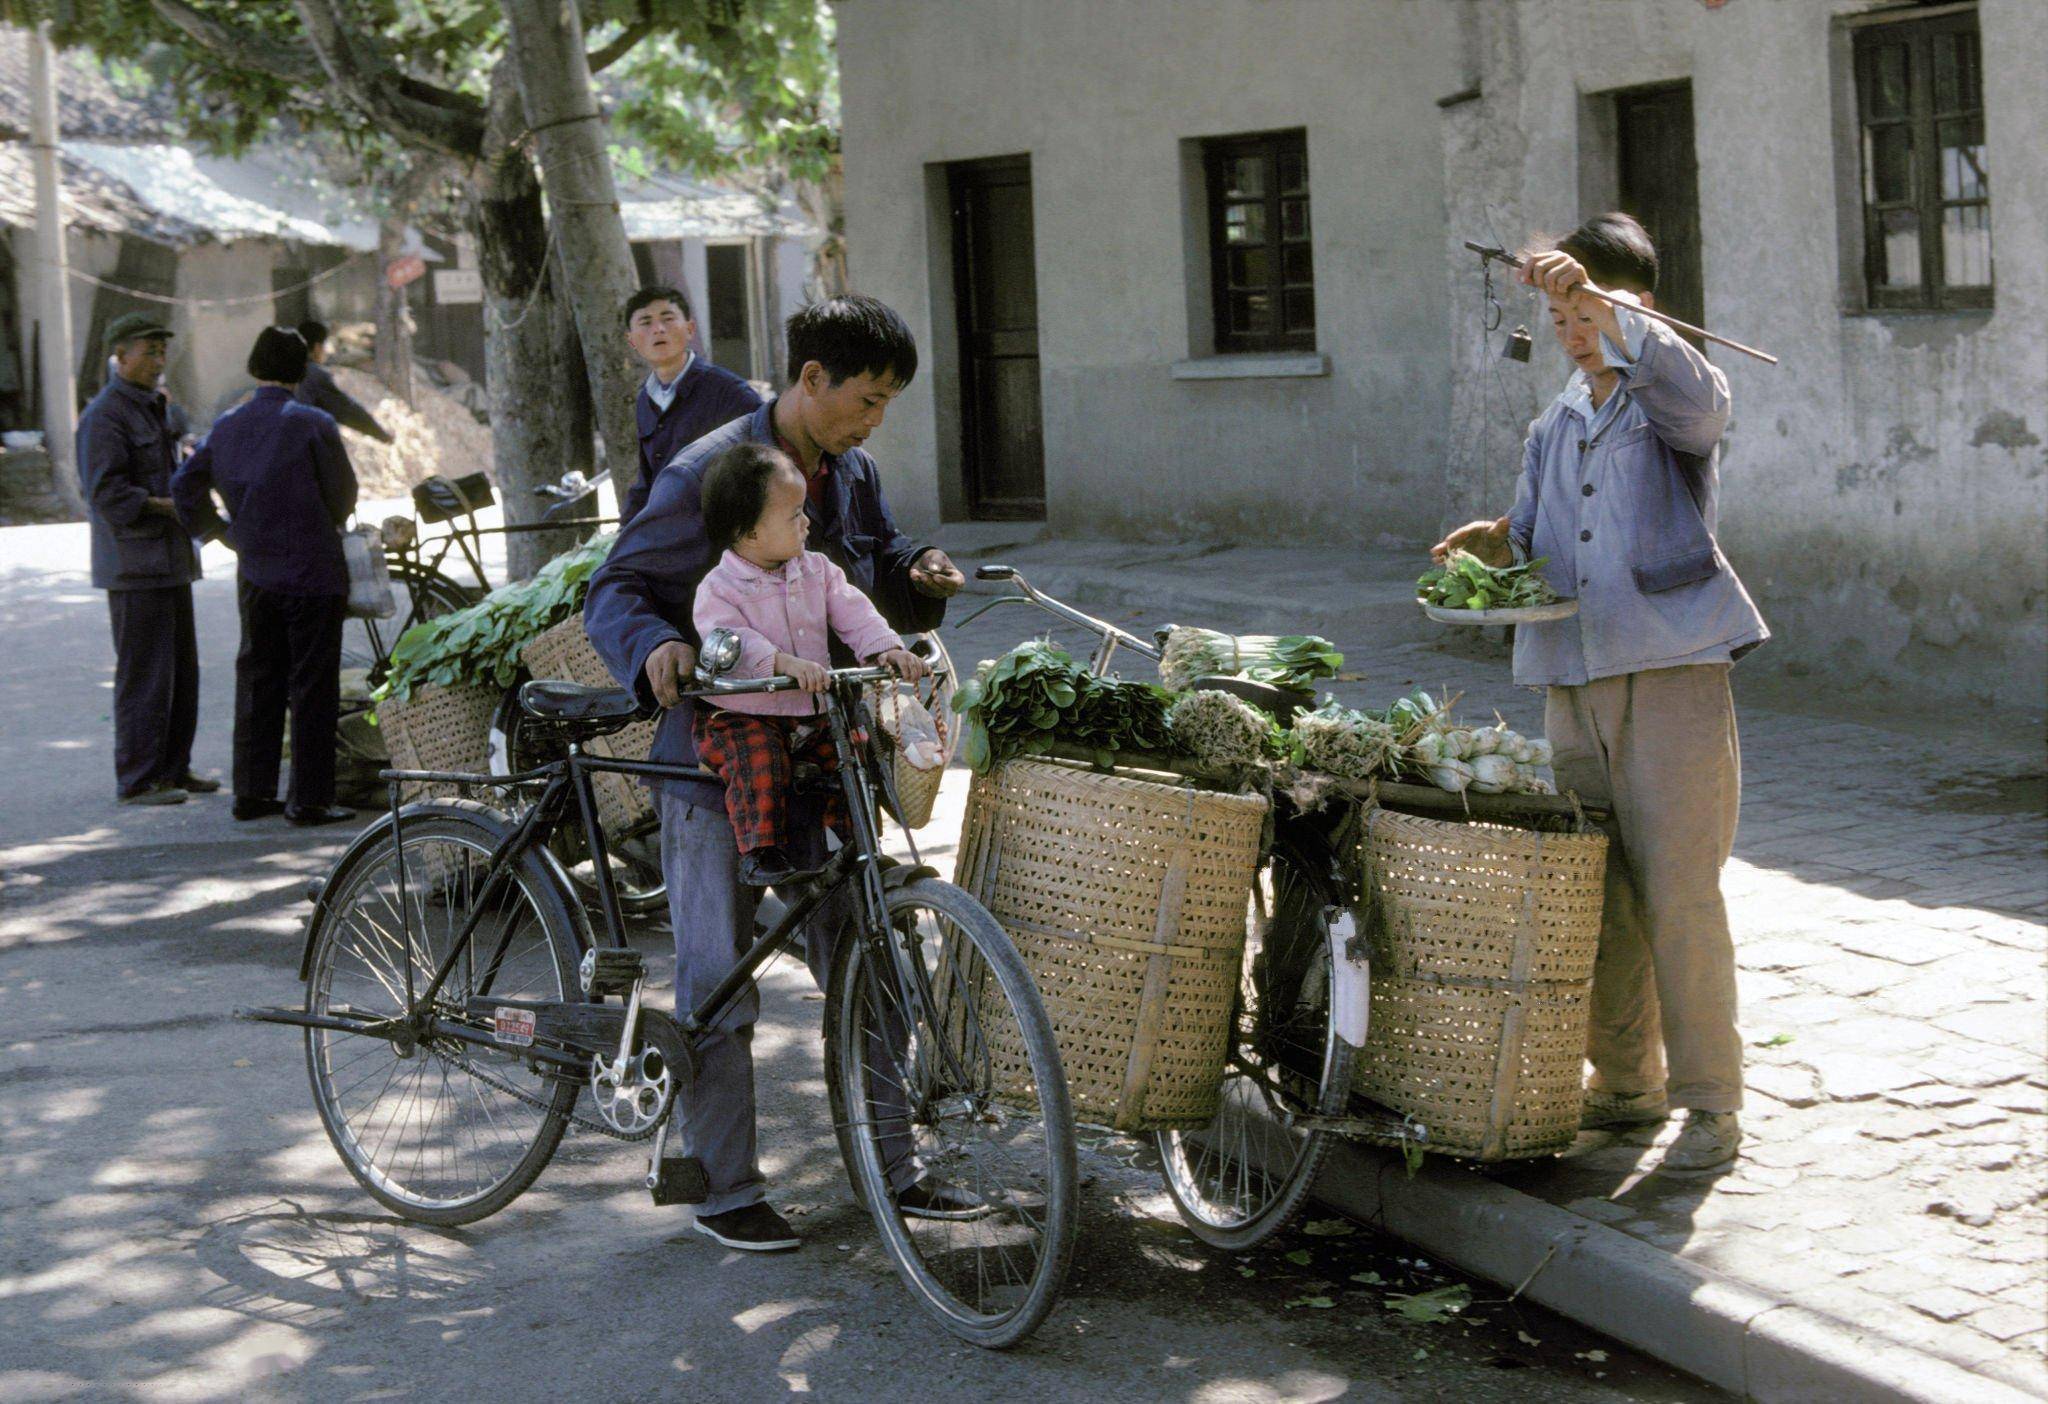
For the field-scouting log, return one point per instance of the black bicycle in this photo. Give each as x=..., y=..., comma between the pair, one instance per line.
x=457, y=1009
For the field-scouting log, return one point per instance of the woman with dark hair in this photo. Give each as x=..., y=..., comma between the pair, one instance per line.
x=280, y=469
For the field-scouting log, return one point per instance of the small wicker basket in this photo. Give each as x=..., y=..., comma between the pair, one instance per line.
x=1482, y=940
x=1128, y=899
x=917, y=791
x=564, y=652
x=439, y=728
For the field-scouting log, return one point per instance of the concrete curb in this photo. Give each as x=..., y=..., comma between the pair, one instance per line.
x=1751, y=1342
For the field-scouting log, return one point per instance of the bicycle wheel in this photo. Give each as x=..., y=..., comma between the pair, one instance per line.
x=444, y=1131
x=422, y=594
x=960, y=1083
x=1239, y=1180
x=634, y=855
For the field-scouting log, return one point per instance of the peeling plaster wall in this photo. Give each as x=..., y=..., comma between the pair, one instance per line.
x=1885, y=489
x=1101, y=94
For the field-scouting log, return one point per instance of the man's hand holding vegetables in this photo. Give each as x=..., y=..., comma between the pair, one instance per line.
x=1618, y=491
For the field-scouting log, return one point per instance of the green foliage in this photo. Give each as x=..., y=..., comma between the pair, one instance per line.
x=1287, y=660
x=1464, y=581
x=1035, y=694
x=480, y=645
x=1439, y=1304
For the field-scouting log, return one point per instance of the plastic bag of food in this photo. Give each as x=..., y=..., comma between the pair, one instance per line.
x=915, y=731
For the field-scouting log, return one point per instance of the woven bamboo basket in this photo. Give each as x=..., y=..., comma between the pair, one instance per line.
x=564, y=653
x=1127, y=899
x=1482, y=940
x=439, y=728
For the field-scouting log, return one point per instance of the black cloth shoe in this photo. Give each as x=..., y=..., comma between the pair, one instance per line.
x=935, y=1199
x=162, y=793
x=196, y=784
x=249, y=807
x=307, y=818
x=754, y=1229
x=770, y=867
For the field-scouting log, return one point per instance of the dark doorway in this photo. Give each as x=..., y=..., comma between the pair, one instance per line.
x=1660, y=185
x=731, y=309
x=996, y=293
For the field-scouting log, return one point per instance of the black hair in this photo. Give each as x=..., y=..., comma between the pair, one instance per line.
x=278, y=355
x=1616, y=251
x=735, y=490
x=652, y=294
x=312, y=332
x=849, y=336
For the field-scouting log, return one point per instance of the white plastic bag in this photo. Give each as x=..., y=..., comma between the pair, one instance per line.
x=369, y=579
x=917, y=735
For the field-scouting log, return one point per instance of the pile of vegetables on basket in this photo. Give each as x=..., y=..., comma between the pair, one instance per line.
x=1464, y=581
x=1286, y=660
x=1224, y=731
x=480, y=645
x=1034, y=695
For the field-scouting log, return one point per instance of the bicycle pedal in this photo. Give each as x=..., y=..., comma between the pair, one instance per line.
x=609, y=971
x=679, y=1179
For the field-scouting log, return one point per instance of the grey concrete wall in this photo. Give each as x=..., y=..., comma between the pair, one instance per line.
x=1101, y=94
x=1886, y=486
x=210, y=352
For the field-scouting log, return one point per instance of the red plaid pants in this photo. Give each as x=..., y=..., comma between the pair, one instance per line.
x=755, y=758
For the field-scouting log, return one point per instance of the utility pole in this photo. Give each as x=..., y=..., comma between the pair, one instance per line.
x=54, y=274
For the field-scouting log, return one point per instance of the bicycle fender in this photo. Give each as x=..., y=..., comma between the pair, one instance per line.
x=896, y=873
x=378, y=828
x=1351, y=980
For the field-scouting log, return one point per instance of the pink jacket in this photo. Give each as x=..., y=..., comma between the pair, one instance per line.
x=792, y=610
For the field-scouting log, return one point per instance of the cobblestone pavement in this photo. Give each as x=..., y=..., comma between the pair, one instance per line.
x=1888, y=897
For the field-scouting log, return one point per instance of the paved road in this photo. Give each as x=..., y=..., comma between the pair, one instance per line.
x=177, y=1226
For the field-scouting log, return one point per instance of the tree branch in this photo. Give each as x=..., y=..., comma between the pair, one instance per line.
x=601, y=59
x=276, y=60
x=445, y=122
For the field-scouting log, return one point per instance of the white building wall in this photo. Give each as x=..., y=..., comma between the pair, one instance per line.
x=1101, y=94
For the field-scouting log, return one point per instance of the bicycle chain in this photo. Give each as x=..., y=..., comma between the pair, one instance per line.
x=575, y=1119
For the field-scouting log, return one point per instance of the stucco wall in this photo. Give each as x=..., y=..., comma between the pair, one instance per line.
x=1886, y=487
x=1101, y=94
x=210, y=351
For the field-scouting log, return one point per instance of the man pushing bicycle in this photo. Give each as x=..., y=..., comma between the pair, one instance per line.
x=848, y=358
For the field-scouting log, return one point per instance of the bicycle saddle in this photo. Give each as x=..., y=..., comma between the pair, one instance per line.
x=594, y=711
x=1281, y=702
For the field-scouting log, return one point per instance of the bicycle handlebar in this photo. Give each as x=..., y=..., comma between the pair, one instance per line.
x=1031, y=595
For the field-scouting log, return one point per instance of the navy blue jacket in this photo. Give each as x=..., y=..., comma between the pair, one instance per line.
x=709, y=397
x=319, y=390
x=641, y=596
x=280, y=468
x=126, y=454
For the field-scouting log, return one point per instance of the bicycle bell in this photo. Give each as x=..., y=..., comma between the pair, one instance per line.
x=720, y=653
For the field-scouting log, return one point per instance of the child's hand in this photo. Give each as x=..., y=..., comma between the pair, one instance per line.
x=810, y=677
x=905, y=664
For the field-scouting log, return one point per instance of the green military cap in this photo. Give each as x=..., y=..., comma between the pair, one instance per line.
x=131, y=326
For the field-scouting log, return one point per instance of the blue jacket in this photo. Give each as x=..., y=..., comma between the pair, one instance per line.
x=126, y=454
x=642, y=595
x=1622, y=502
x=319, y=390
x=280, y=468
x=708, y=398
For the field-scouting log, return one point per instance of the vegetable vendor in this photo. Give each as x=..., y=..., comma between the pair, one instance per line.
x=848, y=358
x=1618, y=489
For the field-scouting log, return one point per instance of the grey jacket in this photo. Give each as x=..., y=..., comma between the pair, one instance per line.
x=1622, y=502
x=126, y=453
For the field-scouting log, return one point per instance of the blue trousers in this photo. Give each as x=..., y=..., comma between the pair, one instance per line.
x=713, y=916
x=156, y=685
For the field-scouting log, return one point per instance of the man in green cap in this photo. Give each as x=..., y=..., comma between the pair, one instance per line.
x=146, y=563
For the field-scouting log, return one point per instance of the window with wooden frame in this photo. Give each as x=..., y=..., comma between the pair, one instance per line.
x=1926, y=190
x=1259, y=258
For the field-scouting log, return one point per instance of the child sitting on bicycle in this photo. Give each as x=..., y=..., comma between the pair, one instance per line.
x=786, y=604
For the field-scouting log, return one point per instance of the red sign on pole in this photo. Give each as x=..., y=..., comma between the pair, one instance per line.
x=409, y=269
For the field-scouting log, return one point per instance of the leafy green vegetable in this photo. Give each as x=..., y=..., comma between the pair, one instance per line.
x=1464, y=581
x=1287, y=660
x=1035, y=694
x=480, y=645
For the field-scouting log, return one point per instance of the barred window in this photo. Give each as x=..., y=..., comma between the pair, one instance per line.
x=1926, y=188
x=1260, y=259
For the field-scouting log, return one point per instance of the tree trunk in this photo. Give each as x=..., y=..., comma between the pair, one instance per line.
x=393, y=364
x=531, y=439
x=824, y=204
x=546, y=52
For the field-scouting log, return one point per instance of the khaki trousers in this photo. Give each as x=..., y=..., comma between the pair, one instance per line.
x=1660, y=749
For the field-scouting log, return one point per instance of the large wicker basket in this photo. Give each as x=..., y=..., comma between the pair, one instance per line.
x=439, y=728
x=1127, y=899
x=1482, y=941
x=564, y=653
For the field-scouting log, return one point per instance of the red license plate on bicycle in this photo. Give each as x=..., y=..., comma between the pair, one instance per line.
x=513, y=1026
